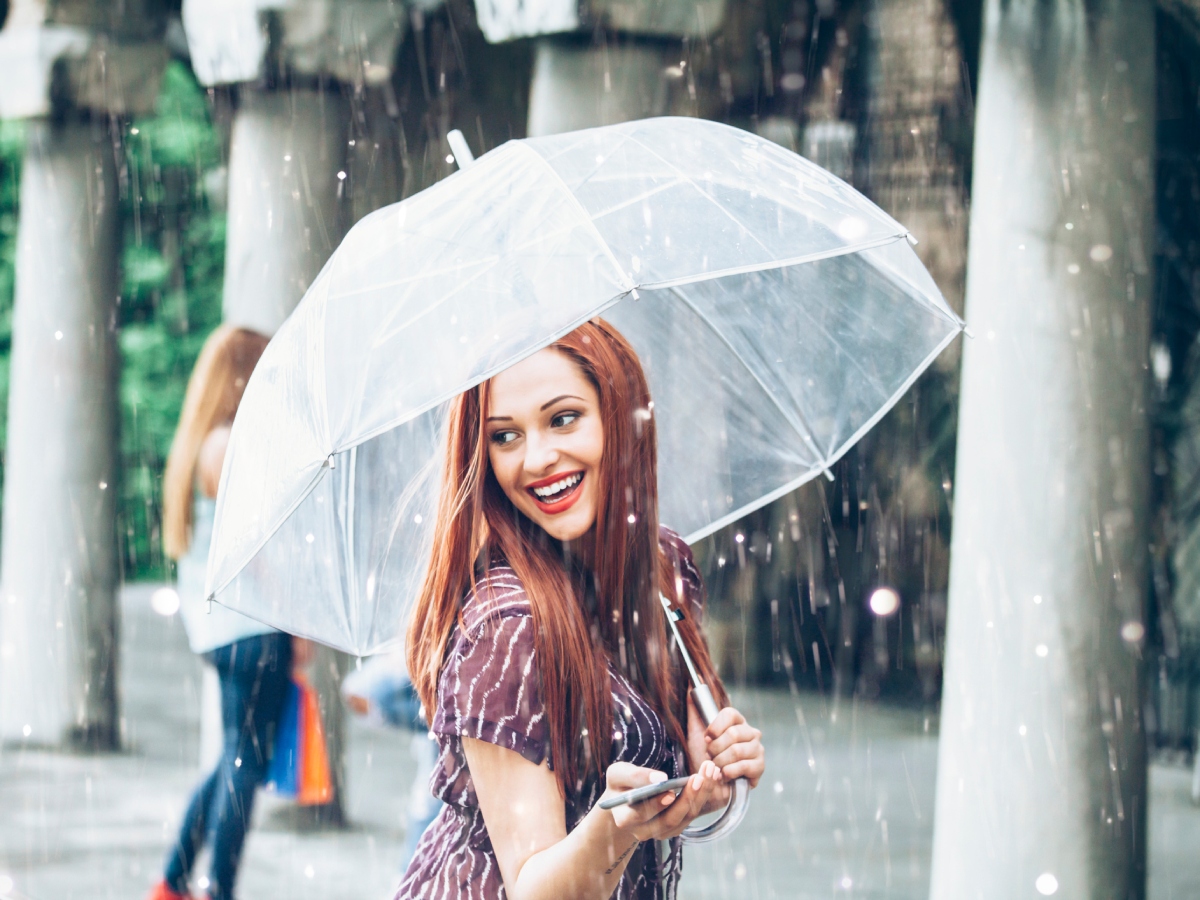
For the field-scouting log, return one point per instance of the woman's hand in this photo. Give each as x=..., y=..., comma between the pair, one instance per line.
x=666, y=815
x=732, y=744
x=735, y=746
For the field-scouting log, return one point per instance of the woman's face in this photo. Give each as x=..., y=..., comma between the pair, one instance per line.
x=545, y=440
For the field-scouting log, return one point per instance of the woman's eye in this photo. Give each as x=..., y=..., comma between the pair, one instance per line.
x=504, y=437
x=563, y=419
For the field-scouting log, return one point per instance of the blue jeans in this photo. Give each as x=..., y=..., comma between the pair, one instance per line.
x=254, y=675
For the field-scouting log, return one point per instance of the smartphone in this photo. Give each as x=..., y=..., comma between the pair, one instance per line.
x=637, y=795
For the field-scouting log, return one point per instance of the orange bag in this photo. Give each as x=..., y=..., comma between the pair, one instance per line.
x=315, y=782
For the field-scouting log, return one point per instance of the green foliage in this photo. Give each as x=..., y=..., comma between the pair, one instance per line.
x=172, y=262
x=12, y=148
x=171, y=296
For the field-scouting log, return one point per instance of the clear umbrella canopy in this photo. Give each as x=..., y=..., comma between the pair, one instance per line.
x=777, y=312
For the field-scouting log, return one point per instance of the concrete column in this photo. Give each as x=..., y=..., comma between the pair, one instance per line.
x=284, y=218
x=287, y=178
x=581, y=86
x=58, y=612
x=1042, y=767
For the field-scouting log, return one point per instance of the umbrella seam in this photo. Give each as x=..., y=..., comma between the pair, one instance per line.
x=700, y=191
x=292, y=507
x=790, y=486
x=794, y=419
x=489, y=373
x=773, y=264
x=626, y=281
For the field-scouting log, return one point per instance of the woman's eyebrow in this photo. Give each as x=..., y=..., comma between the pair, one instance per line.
x=549, y=403
x=500, y=418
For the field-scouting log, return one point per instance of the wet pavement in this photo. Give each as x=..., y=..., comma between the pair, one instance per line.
x=845, y=809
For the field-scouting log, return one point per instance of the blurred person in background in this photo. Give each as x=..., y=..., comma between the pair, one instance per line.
x=253, y=660
x=383, y=694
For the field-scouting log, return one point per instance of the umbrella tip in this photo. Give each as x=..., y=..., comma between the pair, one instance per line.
x=911, y=238
x=968, y=332
x=460, y=148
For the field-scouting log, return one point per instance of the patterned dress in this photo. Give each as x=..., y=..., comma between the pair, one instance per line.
x=489, y=690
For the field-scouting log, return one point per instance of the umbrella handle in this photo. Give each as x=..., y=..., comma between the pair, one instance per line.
x=730, y=819
x=739, y=800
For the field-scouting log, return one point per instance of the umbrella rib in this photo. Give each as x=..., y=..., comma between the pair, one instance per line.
x=703, y=193
x=794, y=418
x=623, y=276
x=490, y=372
x=771, y=264
x=760, y=502
x=270, y=532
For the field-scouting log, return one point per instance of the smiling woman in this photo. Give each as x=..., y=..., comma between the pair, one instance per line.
x=545, y=442
x=539, y=643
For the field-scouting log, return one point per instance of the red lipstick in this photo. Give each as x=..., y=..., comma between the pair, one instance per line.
x=561, y=501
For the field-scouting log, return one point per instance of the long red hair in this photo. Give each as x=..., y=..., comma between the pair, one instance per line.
x=476, y=523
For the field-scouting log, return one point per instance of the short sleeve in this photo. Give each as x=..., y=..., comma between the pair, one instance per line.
x=688, y=575
x=489, y=688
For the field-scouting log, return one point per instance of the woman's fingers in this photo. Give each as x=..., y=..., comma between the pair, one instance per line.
x=735, y=734
x=750, y=769
x=725, y=719
x=690, y=803
x=623, y=776
x=743, y=760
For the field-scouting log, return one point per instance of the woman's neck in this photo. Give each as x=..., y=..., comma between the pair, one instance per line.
x=582, y=551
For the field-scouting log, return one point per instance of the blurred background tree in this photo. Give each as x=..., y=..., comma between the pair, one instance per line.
x=173, y=222
x=172, y=209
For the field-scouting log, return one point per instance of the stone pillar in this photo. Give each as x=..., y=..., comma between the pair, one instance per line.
x=579, y=86
x=1042, y=766
x=58, y=609
x=290, y=183
x=284, y=219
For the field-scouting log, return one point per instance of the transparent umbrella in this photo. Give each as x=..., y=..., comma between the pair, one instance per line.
x=778, y=313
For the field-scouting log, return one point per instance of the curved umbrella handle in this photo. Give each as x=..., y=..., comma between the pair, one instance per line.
x=739, y=800
x=731, y=818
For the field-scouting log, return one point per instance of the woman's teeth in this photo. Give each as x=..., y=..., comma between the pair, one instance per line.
x=563, y=484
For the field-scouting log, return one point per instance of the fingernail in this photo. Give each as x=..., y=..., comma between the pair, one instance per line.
x=667, y=799
x=656, y=777
x=696, y=781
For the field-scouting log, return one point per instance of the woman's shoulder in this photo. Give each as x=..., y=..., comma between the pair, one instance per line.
x=496, y=594
x=680, y=555
x=677, y=550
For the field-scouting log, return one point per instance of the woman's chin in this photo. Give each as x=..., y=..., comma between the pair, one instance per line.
x=567, y=527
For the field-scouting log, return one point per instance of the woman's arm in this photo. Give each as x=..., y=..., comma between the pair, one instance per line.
x=526, y=821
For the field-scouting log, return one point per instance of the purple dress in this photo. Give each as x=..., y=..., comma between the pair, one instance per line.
x=489, y=690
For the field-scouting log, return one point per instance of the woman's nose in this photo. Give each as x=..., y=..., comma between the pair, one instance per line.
x=541, y=454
